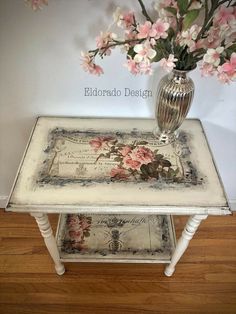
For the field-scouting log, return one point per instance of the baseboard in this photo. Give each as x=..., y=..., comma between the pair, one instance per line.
x=3, y=201
x=232, y=204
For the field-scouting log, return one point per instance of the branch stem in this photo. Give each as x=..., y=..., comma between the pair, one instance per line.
x=114, y=44
x=144, y=11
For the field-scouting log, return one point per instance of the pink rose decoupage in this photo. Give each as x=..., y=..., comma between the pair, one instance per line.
x=78, y=231
x=89, y=158
x=135, y=160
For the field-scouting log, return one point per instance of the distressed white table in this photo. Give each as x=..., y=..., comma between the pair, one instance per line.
x=116, y=189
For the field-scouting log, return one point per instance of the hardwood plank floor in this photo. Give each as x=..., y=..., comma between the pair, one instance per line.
x=204, y=282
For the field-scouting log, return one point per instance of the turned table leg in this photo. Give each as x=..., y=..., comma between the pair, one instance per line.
x=182, y=244
x=46, y=231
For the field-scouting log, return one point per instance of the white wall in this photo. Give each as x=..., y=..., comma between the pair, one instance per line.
x=40, y=74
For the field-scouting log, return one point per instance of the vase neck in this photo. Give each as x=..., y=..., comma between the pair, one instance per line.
x=179, y=76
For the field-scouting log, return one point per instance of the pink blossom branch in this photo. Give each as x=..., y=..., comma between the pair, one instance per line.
x=114, y=44
x=209, y=15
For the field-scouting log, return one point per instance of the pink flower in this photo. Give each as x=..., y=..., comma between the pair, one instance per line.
x=145, y=67
x=227, y=71
x=84, y=224
x=165, y=3
x=97, y=70
x=188, y=37
x=168, y=64
x=103, y=40
x=139, y=156
x=132, y=66
x=76, y=235
x=119, y=173
x=201, y=43
x=223, y=15
x=212, y=56
x=144, y=52
x=88, y=64
x=143, y=154
x=123, y=20
x=125, y=150
x=207, y=69
x=131, y=163
x=73, y=220
x=222, y=76
x=36, y=4
x=159, y=29
x=99, y=142
x=213, y=39
x=165, y=15
x=128, y=19
x=146, y=30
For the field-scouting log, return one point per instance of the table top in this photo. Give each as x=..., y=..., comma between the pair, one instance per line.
x=115, y=165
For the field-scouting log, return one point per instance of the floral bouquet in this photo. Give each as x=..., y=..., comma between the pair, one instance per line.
x=183, y=33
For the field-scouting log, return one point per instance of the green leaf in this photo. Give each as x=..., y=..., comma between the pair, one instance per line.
x=131, y=52
x=118, y=159
x=230, y=50
x=171, y=10
x=189, y=18
x=165, y=163
x=159, y=156
x=145, y=170
x=183, y=6
x=171, y=33
x=158, y=56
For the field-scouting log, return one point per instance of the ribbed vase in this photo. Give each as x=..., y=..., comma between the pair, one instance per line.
x=174, y=98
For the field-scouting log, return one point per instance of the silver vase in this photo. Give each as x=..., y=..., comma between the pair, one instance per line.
x=174, y=98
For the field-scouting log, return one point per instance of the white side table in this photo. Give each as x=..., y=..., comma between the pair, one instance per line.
x=116, y=189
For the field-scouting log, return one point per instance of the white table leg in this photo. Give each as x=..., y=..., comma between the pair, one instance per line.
x=182, y=244
x=46, y=231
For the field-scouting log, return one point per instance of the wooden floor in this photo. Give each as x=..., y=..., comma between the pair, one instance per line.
x=204, y=282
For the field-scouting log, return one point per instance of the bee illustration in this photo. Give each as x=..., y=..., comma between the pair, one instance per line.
x=115, y=243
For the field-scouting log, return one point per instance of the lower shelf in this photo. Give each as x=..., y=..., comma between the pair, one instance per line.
x=115, y=238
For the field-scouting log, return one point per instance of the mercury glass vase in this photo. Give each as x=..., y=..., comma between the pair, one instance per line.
x=174, y=98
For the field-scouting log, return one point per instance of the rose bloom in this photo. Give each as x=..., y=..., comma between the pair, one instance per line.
x=99, y=142
x=125, y=150
x=73, y=220
x=76, y=235
x=119, y=173
x=84, y=223
x=143, y=155
x=138, y=157
x=131, y=163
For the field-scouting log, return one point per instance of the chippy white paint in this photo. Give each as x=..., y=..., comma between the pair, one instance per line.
x=50, y=242
x=41, y=75
x=127, y=198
